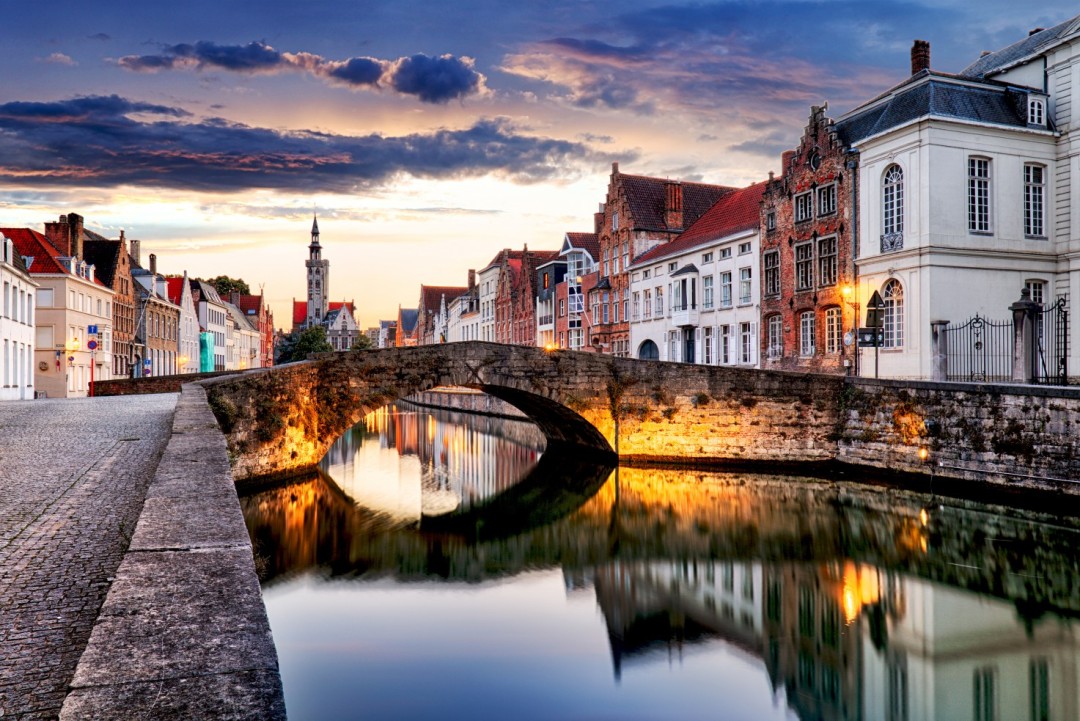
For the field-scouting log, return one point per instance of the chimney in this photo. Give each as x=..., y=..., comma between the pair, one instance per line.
x=673, y=211
x=57, y=234
x=920, y=56
x=615, y=168
x=75, y=231
x=472, y=278
x=135, y=257
x=153, y=264
x=785, y=162
x=1035, y=30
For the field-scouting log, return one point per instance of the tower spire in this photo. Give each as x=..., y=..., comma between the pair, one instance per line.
x=314, y=229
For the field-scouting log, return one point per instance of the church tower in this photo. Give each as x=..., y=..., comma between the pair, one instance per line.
x=318, y=279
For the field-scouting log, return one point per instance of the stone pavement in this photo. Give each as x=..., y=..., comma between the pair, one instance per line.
x=73, y=476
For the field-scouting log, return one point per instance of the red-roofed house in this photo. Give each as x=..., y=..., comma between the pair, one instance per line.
x=639, y=214
x=257, y=311
x=694, y=299
x=806, y=255
x=179, y=291
x=71, y=299
x=515, y=297
x=432, y=315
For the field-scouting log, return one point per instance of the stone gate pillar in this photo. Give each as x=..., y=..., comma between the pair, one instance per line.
x=1023, y=310
x=939, y=350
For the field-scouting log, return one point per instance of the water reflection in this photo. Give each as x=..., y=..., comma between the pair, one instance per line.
x=760, y=596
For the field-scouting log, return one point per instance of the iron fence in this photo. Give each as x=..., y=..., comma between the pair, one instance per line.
x=980, y=350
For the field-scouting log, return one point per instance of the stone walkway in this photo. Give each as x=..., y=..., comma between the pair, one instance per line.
x=73, y=476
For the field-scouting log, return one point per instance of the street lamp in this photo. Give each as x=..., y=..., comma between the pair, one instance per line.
x=848, y=293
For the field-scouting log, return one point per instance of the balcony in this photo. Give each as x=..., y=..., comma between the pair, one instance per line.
x=684, y=314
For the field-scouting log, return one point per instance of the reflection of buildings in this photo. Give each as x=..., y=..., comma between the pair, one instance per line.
x=850, y=642
x=463, y=459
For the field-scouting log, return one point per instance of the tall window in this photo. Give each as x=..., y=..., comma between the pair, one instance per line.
x=827, y=199
x=772, y=272
x=673, y=346
x=827, y=261
x=637, y=305
x=746, y=338
x=707, y=341
x=979, y=195
x=985, y=694
x=833, y=330
x=804, y=266
x=1036, y=111
x=625, y=254
x=659, y=302
x=776, y=336
x=707, y=292
x=807, y=324
x=892, y=209
x=804, y=207
x=725, y=289
x=1039, y=671
x=1034, y=200
x=646, y=304
x=893, y=295
x=744, y=285
x=726, y=351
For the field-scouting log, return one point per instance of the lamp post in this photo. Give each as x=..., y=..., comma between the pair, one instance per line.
x=848, y=292
x=71, y=346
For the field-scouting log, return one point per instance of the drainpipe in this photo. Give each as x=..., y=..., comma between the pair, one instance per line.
x=852, y=165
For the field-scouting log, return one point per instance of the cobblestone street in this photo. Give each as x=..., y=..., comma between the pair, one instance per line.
x=73, y=476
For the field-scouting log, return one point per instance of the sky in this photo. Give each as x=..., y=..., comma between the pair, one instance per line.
x=425, y=135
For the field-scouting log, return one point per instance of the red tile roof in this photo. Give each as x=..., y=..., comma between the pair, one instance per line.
x=589, y=242
x=737, y=211
x=35, y=245
x=431, y=295
x=250, y=303
x=175, y=288
x=498, y=257
x=645, y=196
x=299, y=309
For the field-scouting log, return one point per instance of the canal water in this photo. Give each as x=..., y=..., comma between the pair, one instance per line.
x=443, y=566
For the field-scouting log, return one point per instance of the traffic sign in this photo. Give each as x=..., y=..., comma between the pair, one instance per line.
x=91, y=344
x=91, y=329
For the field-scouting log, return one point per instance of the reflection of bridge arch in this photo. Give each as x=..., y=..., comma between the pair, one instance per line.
x=281, y=420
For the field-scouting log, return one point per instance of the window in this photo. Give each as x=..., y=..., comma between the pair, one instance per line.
x=659, y=301
x=772, y=272
x=985, y=695
x=1039, y=671
x=833, y=330
x=707, y=292
x=607, y=262
x=979, y=195
x=562, y=307
x=775, y=329
x=647, y=303
x=606, y=306
x=673, y=266
x=706, y=258
x=804, y=266
x=806, y=612
x=1036, y=112
x=744, y=286
x=827, y=261
x=744, y=248
x=893, y=295
x=707, y=341
x=645, y=275
x=826, y=199
x=725, y=253
x=725, y=289
x=45, y=297
x=770, y=220
x=547, y=281
x=673, y=346
x=625, y=254
x=637, y=305
x=746, y=338
x=807, y=324
x=615, y=220
x=892, y=209
x=726, y=339
x=1034, y=200
x=804, y=207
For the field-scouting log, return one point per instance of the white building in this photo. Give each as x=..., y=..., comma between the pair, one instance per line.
x=245, y=346
x=214, y=319
x=341, y=327
x=966, y=189
x=179, y=293
x=16, y=324
x=697, y=298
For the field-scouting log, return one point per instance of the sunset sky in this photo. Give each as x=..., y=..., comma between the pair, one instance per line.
x=427, y=135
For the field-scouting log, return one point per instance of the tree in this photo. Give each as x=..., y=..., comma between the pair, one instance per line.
x=225, y=285
x=363, y=342
x=298, y=345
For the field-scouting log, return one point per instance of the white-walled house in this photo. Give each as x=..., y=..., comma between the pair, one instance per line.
x=966, y=189
x=697, y=298
x=16, y=324
x=179, y=293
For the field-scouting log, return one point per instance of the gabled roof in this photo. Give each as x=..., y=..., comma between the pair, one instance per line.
x=339, y=304
x=175, y=288
x=408, y=318
x=929, y=93
x=645, y=196
x=299, y=312
x=431, y=295
x=204, y=290
x=36, y=246
x=1018, y=52
x=589, y=242
x=237, y=316
x=510, y=254
x=737, y=211
x=250, y=304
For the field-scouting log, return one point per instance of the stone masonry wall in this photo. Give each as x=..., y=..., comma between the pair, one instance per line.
x=153, y=384
x=1017, y=435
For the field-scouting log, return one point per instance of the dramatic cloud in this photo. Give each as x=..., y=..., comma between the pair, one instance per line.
x=431, y=79
x=108, y=141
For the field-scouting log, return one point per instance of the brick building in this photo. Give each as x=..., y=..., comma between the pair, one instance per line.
x=638, y=214
x=431, y=313
x=515, y=297
x=112, y=260
x=806, y=255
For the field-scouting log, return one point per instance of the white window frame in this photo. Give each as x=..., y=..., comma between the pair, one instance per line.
x=1034, y=200
x=1036, y=112
x=804, y=266
x=979, y=194
x=804, y=207
x=834, y=330
x=892, y=292
x=707, y=292
x=826, y=199
x=807, y=333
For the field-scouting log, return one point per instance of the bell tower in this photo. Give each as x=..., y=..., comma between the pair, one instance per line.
x=318, y=279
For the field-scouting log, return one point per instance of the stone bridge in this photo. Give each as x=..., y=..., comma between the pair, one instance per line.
x=281, y=420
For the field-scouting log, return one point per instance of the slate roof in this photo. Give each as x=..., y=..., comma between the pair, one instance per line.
x=200, y=289
x=589, y=242
x=1030, y=46
x=238, y=317
x=408, y=320
x=928, y=93
x=737, y=211
x=103, y=254
x=645, y=196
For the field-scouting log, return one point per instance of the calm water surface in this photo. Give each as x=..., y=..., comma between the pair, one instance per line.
x=444, y=567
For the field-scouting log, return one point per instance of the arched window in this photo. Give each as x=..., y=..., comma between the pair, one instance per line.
x=648, y=351
x=892, y=209
x=893, y=295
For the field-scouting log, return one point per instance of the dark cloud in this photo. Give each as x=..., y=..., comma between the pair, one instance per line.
x=357, y=71
x=599, y=49
x=431, y=79
x=435, y=80
x=594, y=138
x=109, y=141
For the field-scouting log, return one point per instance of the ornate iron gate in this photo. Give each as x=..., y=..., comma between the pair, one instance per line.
x=980, y=350
x=1050, y=351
